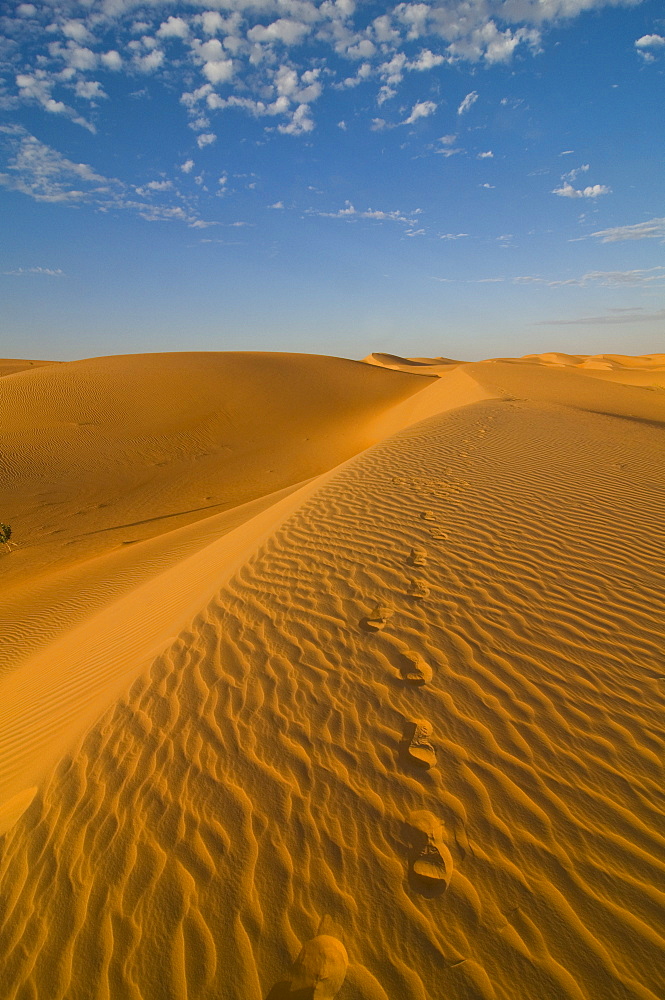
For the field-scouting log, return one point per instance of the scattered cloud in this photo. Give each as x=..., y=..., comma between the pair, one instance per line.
x=422, y=109
x=173, y=27
x=468, y=102
x=453, y=236
x=593, y=191
x=41, y=172
x=648, y=46
x=205, y=139
x=489, y=155
x=261, y=51
x=350, y=212
x=651, y=230
x=187, y=166
x=278, y=204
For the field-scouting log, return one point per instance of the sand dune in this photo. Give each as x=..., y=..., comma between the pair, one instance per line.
x=8, y=366
x=372, y=705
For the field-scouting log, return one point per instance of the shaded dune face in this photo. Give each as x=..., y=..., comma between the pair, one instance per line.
x=251, y=780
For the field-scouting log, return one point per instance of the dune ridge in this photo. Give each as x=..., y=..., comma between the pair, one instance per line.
x=252, y=777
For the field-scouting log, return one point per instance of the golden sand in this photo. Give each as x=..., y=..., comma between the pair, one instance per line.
x=322, y=678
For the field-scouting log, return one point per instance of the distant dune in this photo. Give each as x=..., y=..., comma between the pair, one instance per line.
x=330, y=678
x=8, y=366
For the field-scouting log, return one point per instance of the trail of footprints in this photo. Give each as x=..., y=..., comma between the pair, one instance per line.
x=321, y=966
x=432, y=862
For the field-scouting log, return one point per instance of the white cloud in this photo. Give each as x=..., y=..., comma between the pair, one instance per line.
x=90, y=90
x=426, y=60
x=76, y=30
x=79, y=57
x=422, y=109
x=364, y=49
x=453, y=236
x=174, y=27
x=653, y=229
x=489, y=155
x=219, y=70
x=112, y=60
x=278, y=205
x=300, y=122
x=650, y=42
x=187, y=166
x=212, y=22
x=468, y=102
x=283, y=30
x=150, y=62
x=490, y=186
x=26, y=10
x=593, y=191
x=206, y=139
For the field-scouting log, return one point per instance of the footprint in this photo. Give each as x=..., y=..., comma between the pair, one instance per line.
x=437, y=533
x=417, y=556
x=415, y=669
x=427, y=515
x=432, y=861
x=419, y=589
x=319, y=969
x=420, y=748
x=378, y=619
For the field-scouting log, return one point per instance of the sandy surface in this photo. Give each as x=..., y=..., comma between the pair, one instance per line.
x=316, y=671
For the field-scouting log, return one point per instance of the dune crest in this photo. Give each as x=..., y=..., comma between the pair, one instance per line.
x=212, y=751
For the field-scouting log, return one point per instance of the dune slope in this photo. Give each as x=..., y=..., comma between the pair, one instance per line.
x=493, y=832
x=111, y=452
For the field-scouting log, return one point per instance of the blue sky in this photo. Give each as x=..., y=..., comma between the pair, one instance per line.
x=469, y=178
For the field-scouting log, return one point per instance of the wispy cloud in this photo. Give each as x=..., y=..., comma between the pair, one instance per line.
x=350, y=212
x=650, y=276
x=49, y=272
x=654, y=229
x=609, y=318
x=37, y=170
x=468, y=102
x=422, y=109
